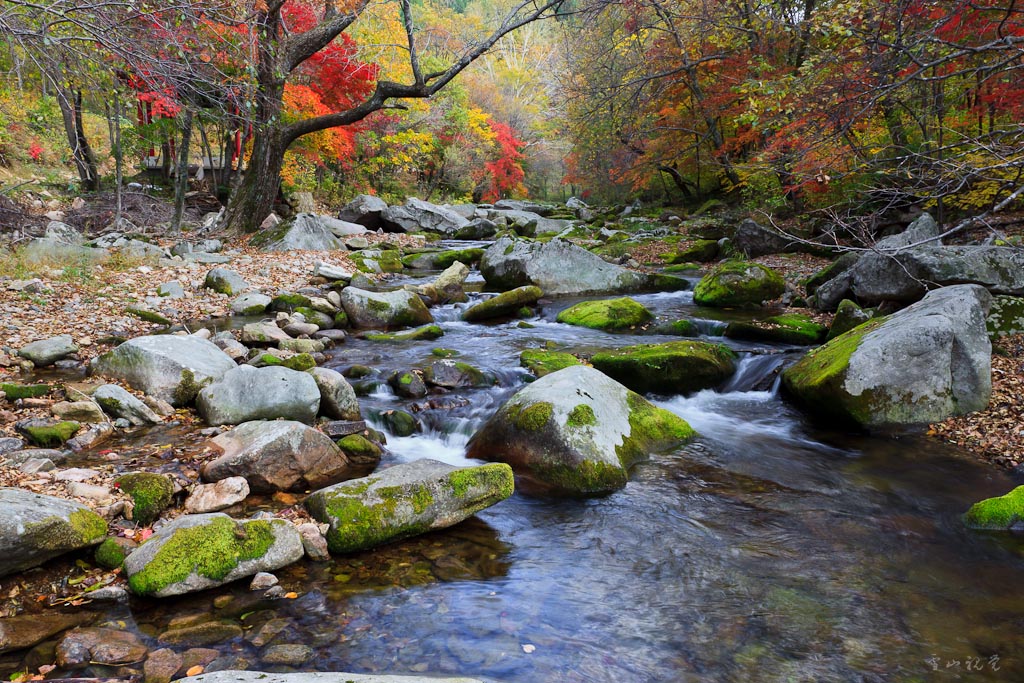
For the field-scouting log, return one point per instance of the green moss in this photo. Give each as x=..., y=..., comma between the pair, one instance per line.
x=89, y=526
x=340, y=319
x=683, y=328
x=109, y=554
x=53, y=435
x=16, y=391
x=738, y=283
x=421, y=500
x=583, y=478
x=682, y=267
x=147, y=315
x=606, y=314
x=300, y=362
x=445, y=353
x=792, y=328
x=506, y=303
x=542, y=362
x=357, y=371
x=151, y=493
x=359, y=523
x=187, y=389
x=425, y=332
x=81, y=528
x=701, y=250
x=358, y=447
x=211, y=550
x=266, y=237
x=288, y=302
x=399, y=422
x=495, y=476
x=582, y=416
x=815, y=380
x=475, y=376
x=533, y=418
x=650, y=428
x=673, y=367
x=998, y=514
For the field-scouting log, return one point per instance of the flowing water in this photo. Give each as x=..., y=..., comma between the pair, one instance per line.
x=769, y=549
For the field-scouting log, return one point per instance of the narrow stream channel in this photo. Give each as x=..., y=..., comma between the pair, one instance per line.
x=769, y=549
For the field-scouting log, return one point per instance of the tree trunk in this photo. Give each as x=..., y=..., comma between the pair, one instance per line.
x=181, y=178
x=253, y=198
x=70, y=103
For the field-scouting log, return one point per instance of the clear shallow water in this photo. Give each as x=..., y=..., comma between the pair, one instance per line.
x=770, y=549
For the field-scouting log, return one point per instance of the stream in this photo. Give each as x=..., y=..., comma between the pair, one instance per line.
x=769, y=549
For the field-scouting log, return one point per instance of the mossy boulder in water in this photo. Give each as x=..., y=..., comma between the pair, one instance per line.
x=506, y=303
x=998, y=514
x=606, y=314
x=35, y=528
x=848, y=316
x=47, y=432
x=424, y=332
x=151, y=494
x=196, y=552
x=576, y=432
x=792, y=328
x=247, y=393
x=406, y=500
x=738, y=283
x=673, y=367
x=543, y=362
x=923, y=364
x=399, y=308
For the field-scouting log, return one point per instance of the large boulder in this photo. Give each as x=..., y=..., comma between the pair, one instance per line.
x=48, y=351
x=560, y=268
x=35, y=528
x=406, y=500
x=738, y=283
x=399, y=308
x=364, y=210
x=577, y=432
x=169, y=367
x=118, y=402
x=523, y=205
x=246, y=393
x=923, y=364
x=417, y=215
x=196, y=552
x=62, y=232
x=506, y=303
x=225, y=281
x=606, y=314
x=337, y=397
x=306, y=231
x=756, y=240
x=45, y=250
x=671, y=368
x=278, y=455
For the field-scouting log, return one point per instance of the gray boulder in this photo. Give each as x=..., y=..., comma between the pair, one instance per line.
x=477, y=229
x=35, y=528
x=576, y=432
x=245, y=393
x=47, y=250
x=306, y=231
x=528, y=223
x=225, y=281
x=171, y=290
x=364, y=210
x=139, y=249
x=279, y=455
x=756, y=240
x=62, y=232
x=263, y=333
x=169, y=367
x=250, y=303
x=329, y=271
x=208, y=246
x=560, y=268
x=216, y=496
x=337, y=397
x=48, y=351
x=417, y=215
x=117, y=402
x=406, y=500
x=503, y=304
x=923, y=364
x=399, y=308
x=522, y=205
x=196, y=552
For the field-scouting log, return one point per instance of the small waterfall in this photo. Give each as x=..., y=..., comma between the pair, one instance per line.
x=709, y=328
x=756, y=372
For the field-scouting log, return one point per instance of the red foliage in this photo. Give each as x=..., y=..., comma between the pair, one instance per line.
x=35, y=150
x=506, y=171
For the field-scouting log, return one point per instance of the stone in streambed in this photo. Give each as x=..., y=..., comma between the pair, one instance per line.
x=35, y=528
x=506, y=303
x=83, y=412
x=406, y=500
x=791, y=328
x=25, y=630
x=279, y=455
x=48, y=351
x=738, y=283
x=316, y=677
x=399, y=308
x=82, y=647
x=606, y=314
x=337, y=398
x=672, y=367
x=119, y=403
x=1003, y=513
x=47, y=432
x=250, y=303
x=151, y=494
x=217, y=496
x=576, y=432
x=543, y=362
x=246, y=393
x=426, y=332
x=196, y=552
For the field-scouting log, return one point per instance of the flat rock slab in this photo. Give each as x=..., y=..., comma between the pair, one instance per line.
x=317, y=677
x=35, y=528
x=246, y=393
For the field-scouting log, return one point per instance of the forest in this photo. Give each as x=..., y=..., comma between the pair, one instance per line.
x=838, y=108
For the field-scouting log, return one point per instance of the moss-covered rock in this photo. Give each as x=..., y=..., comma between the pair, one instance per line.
x=110, y=553
x=792, y=328
x=848, y=316
x=35, y=528
x=47, y=433
x=359, y=449
x=606, y=314
x=424, y=332
x=452, y=374
x=738, y=283
x=997, y=514
x=318, y=318
x=151, y=494
x=400, y=423
x=195, y=552
x=543, y=362
x=148, y=315
x=673, y=367
x=701, y=250
x=289, y=302
x=439, y=260
x=505, y=304
x=15, y=391
x=406, y=500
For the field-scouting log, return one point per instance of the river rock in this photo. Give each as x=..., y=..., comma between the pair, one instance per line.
x=263, y=333
x=25, y=630
x=48, y=351
x=169, y=367
x=62, y=232
x=738, y=283
x=44, y=250
x=364, y=210
x=151, y=494
x=316, y=677
x=170, y=290
x=217, y=496
x=606, y=314
x=305, y=231
x=406, y=500
x=196, y=552
x=246, y=393
x=9, y=444
x=337, y=398
x=86, y=412
x=560, y=268
x=789, y=328
x=47, y=432
x=250, y=303
x=478, y=228
x=161, y=665
x=224, y=281
x=35, y=528
x=448, y=287
x=330, y=271
x=671, y=368
x=920, y=365
x=118, y=402
x=576, y=432
x=82, y=647
x=452, y=374
x=756, y=240
x=504, y=304
x=417, y=215
x=399, y=308
x=281, y=455
x=848, y=316
x=207, y=246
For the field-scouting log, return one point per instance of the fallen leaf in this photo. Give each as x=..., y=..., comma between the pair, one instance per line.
x=195, y=670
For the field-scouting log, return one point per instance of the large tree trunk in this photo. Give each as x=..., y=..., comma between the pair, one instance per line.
x=70, y=103
x=253, y=199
